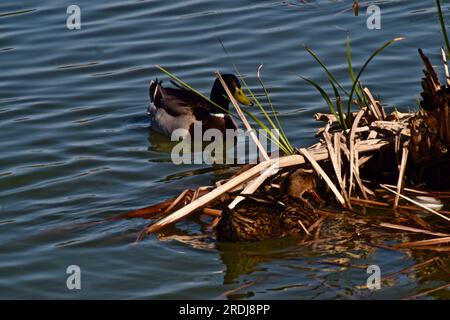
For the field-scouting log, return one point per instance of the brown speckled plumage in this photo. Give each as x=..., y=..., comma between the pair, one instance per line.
x=298, y=182
x=263, y=217
x=250, y=221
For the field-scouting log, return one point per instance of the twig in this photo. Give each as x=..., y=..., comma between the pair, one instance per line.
x=352, y=148
x=253, y=185
x=243, y=118
x=427, y=292
x=336, y=163
x=191, y=207
x=374, y=106
x=404, y=228
x=244, y=286
x=320, y=171
x=415, y=267
x=401, y=175
x=422, y=243
x=416, y=203
x=444, y=59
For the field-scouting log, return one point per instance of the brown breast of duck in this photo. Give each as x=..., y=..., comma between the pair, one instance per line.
x=255, y=219
x=251, y=220
x=297, y=216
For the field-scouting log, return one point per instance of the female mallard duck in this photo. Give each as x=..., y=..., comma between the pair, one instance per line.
x=181, y=108
x=263, y=217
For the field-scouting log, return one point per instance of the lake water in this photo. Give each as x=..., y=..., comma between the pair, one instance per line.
x=76, y=145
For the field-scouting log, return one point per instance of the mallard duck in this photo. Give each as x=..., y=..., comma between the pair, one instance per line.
x=260, y=217
x=180, y=108
x=263, y=217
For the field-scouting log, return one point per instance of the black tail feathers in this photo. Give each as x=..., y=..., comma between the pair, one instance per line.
x=153, y=89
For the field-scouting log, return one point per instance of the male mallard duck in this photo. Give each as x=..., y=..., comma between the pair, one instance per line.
x=263, y=217
x=180, y=108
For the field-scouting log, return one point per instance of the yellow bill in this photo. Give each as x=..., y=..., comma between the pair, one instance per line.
x=241, y=97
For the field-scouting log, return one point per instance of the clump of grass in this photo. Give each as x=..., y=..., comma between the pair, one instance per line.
x=345, y=119
x=282, y=140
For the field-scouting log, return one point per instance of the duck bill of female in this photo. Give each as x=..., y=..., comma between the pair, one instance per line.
x=241, y=97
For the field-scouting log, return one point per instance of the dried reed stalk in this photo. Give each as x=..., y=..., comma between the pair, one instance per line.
x=427, y=292
x=253, y=185
x=415, y=267
x=422, y=243
x=355, y=8
x=401, y=175
x=243, y=118
x=356, y=165
x=352, y=148
x=374, y=106
x=410, y=229
x=335, y=160
x=212, y=212
x=176, y=201
x=416, y=203
x=212, y=195
x=444, y=59
x=327, y=179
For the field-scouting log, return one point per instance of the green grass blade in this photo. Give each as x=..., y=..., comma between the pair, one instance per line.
x=330, y=75
x=178, y=80
x=443, y=29
x=324, y=95
x=283, y=135
x=355, y=83
x=350, y=69
x=339, y=106
x=246, y=85
x=349, y=59
x=284, y=144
